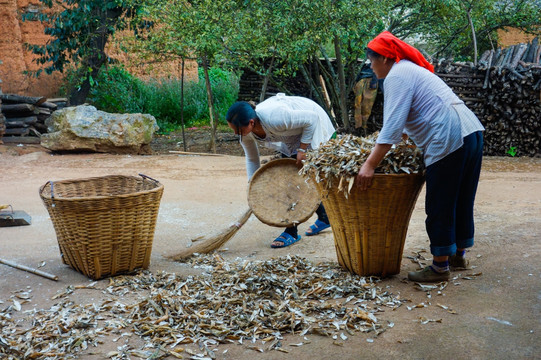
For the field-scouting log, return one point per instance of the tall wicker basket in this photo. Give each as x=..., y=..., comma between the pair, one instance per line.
x=370, y=227
x=104, y=225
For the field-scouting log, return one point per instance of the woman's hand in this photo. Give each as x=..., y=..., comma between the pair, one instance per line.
x=365, y=176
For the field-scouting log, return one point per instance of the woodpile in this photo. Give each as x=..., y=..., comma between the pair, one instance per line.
x=251, y=83
x=504, y=91
x=25, y=116
x=2, y=124
x=2, y=118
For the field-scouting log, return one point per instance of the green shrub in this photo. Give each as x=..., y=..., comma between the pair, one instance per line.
x=116, y=90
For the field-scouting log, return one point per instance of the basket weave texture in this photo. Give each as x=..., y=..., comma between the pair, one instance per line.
x=370, y=227
x=104, y=225
x=279, y=196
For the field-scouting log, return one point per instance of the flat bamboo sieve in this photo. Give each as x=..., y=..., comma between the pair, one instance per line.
x=279, y=196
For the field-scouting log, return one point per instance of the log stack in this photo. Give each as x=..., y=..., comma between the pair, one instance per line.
x=504, y=91
x=251, y=83
x=2, y=124
x=25, y=116
x=2, y=118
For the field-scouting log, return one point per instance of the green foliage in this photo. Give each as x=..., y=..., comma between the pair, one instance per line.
x=512, y=151
x=290, y=33
x=79, y=33
x=442, y=27
x=116, y=90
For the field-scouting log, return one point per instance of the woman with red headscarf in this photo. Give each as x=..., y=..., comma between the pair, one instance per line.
x=418, y=104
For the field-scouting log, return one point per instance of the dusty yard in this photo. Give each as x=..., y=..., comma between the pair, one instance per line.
x=492, y=311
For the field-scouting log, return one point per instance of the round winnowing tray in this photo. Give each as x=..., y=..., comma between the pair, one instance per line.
x=279, y=196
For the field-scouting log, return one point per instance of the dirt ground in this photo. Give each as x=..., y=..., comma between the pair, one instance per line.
x=496, y=304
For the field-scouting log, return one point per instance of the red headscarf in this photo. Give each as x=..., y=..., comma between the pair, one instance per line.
x=390, y=46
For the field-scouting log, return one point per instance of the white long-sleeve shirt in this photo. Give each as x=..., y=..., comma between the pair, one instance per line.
x=420, y=104
x=287, y=121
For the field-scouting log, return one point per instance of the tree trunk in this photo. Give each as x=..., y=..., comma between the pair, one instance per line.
x=182, y=105
x=342, y=83
x=213, y=123
x=97, y=41
x=474, y=37
x=79, y=94
x=266, y=81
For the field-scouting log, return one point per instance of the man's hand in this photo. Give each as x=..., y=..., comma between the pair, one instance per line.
x=301, y=153
x=300, y=157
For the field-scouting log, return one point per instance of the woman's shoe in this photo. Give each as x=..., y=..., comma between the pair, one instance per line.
x=458, y=262
x=428, y=275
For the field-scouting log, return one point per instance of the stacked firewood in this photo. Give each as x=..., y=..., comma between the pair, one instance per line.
x=2, y=118
x=504, y=91
x=251, y=83
x=25, y=115
x=2, y=123
x=525, y=55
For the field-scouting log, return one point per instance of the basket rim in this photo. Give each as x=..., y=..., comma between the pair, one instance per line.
x=378, y=175
x=159, y=186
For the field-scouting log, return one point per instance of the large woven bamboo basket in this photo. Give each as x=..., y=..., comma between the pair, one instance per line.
x=279, y=196
x=104, y=225
x=370, y=227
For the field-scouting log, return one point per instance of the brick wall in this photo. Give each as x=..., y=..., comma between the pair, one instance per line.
x=14, y=33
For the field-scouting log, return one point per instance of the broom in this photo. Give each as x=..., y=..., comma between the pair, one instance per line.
x=204, y=246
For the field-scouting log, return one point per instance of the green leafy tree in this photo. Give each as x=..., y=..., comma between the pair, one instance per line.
x=191, y=28
x=287, y=37
x=461, y=28
x=79, y=33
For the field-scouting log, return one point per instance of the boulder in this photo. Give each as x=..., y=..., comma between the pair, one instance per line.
x=84, y=128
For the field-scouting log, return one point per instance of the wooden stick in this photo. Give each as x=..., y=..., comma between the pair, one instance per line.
x=31, y=270
x=326, y=94
x=193, y=153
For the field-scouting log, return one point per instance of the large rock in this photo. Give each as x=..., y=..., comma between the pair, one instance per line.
x=84, y=128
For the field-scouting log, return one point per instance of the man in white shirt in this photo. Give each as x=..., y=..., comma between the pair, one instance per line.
x=289, y=124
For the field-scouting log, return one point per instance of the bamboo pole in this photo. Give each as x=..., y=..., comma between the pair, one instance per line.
x=194, y=153
x=29, y=269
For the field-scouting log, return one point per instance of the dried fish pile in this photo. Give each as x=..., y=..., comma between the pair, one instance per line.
x=245, y=302
x=341, y=159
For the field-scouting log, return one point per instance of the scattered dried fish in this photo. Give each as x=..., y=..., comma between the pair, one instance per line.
x=425, y=287
x=472, y=276
x=424, y=320
x=421, y=305
x=449, y=310
x=341, y=159
x=16, y=305
x=230, y=302
x=418, y=258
